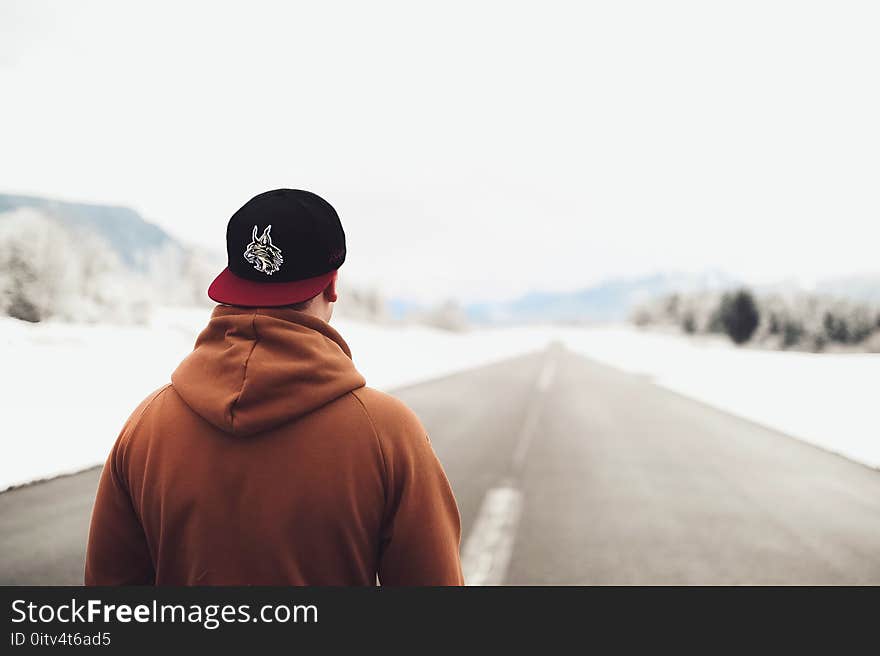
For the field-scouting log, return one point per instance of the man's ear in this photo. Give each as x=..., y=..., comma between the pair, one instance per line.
x=330, y=291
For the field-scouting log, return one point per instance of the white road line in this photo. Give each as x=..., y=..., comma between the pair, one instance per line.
x=487, y=552
x=527, y=432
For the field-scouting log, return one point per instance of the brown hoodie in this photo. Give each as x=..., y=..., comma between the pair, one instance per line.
x=266, y=461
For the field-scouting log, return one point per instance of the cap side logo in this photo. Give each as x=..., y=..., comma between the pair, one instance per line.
x=262, y=253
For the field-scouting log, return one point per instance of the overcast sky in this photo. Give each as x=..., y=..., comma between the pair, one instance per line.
x=472, y=149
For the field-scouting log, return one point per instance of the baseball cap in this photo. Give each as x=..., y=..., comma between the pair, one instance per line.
x=283, y=247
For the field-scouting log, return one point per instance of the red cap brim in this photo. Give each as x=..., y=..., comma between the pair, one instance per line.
x=230, y=289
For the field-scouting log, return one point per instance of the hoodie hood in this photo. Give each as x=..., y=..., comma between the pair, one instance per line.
x=254, y=369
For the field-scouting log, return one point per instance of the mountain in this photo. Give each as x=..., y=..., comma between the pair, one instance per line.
x=133, y=239
x=611, y=300
x=614, y=299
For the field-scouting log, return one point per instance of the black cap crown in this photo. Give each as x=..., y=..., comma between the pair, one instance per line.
x=284, y=235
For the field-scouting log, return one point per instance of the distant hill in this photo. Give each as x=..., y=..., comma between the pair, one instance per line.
x=614, y=299
x=132, y=238
x=611, y=300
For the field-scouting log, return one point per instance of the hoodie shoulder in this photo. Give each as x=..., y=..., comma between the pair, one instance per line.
x=392, y=419
x=139, y=412
x=120, y=449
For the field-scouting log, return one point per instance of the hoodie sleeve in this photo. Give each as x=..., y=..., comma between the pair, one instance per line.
x=422, y=528
x=117, y=552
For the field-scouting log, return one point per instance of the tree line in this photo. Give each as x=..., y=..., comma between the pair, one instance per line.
x=795, y=321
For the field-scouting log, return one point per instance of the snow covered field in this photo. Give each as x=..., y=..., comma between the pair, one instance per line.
x=68, y=389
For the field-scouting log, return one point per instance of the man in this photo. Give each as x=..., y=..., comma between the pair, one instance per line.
x=266, y=460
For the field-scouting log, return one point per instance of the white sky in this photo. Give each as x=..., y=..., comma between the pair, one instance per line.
x=472, y=149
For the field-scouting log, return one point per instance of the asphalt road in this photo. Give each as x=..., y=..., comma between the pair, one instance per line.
x=570, y=472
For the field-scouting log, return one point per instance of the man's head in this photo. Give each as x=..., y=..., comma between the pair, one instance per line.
x=284, y=248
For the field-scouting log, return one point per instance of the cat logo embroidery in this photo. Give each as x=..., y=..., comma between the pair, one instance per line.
x=263, y=254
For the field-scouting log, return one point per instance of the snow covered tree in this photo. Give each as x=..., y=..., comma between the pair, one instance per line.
x=19, y=285
x=34, y=264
